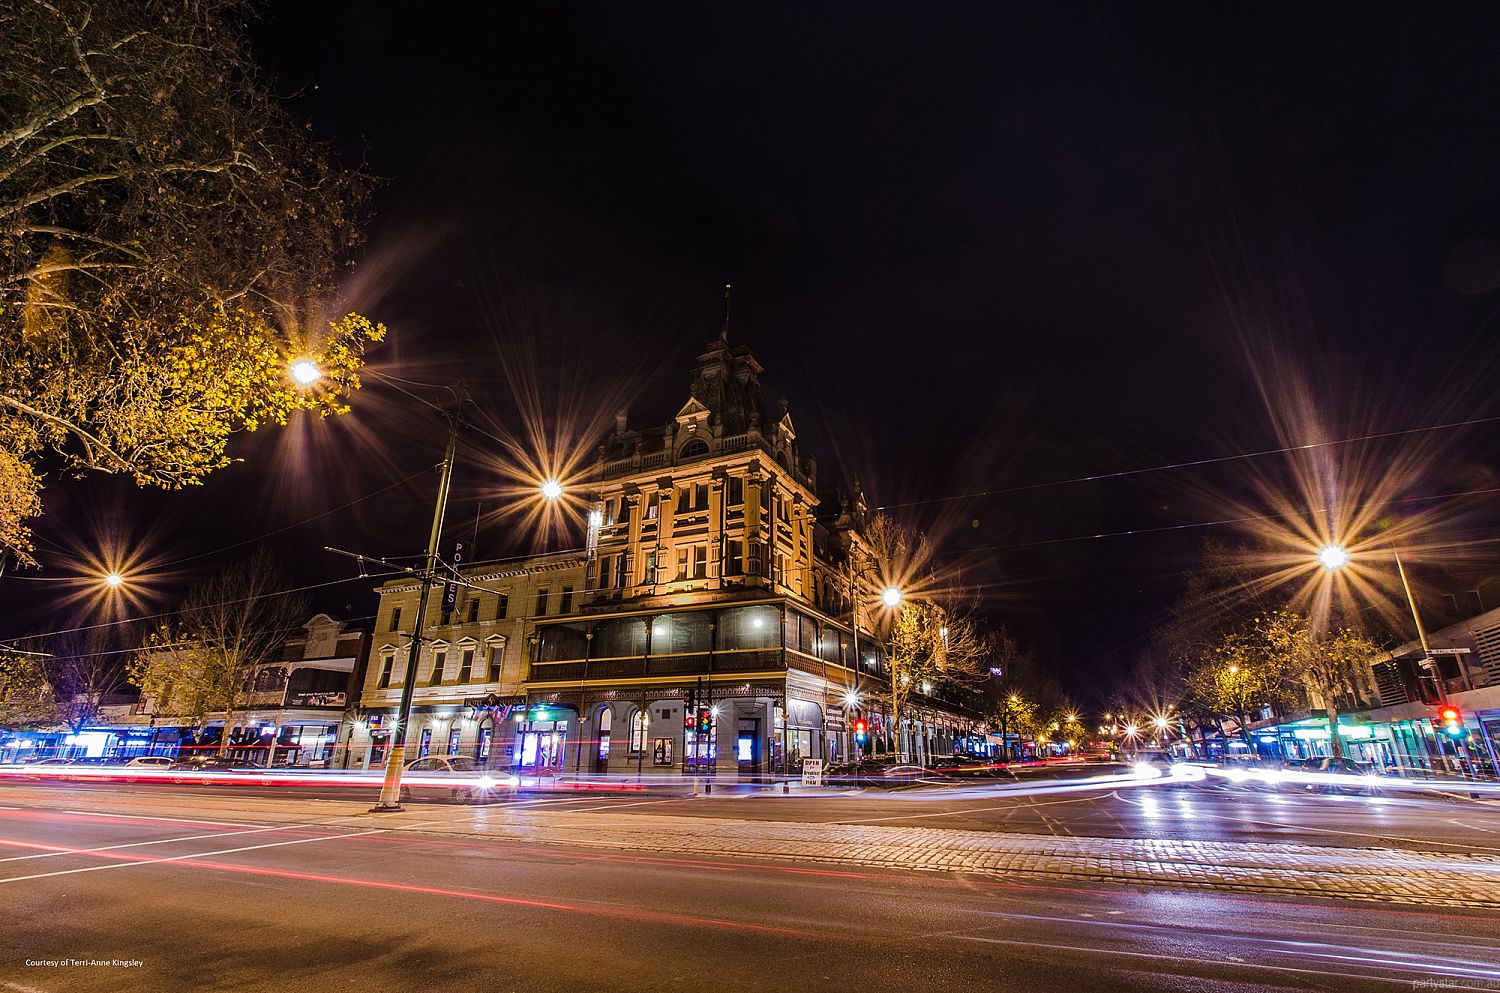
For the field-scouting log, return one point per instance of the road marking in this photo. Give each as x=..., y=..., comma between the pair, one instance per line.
x=1449, y=981
x=174, y=820
x=1305, y=829
x=184, y=858
x=133, y=844
x=1013, y=807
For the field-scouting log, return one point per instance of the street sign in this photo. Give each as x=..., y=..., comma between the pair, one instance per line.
x=1448, y=651
x=812, y=772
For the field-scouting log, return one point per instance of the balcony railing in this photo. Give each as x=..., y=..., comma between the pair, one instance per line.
x=636, y=667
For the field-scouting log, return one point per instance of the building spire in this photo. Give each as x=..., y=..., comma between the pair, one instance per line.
x=724, y=331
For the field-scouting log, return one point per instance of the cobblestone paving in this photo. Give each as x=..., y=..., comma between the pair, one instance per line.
x=1350, y=873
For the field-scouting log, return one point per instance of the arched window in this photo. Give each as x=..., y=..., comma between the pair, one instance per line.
x=695, y=449
x=640, y=726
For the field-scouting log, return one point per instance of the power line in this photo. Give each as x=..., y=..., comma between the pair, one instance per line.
x=173, y=613
x=1188, y=465
x=1201, y=524
x=298, y=524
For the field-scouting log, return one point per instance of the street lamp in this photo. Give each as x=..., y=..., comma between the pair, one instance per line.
x=552, y=490
x=1333, y=556
x=305, y=372
x=114, y=579
x=892, y=597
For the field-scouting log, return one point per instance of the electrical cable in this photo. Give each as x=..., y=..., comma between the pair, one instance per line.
x=1188, y=465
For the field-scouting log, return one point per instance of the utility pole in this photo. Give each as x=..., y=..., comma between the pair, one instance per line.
x=854, y=640
x=390, y=791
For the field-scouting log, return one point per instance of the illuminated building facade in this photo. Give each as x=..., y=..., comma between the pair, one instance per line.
x=712, y=632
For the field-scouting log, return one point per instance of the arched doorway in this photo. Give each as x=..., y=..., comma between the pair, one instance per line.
x=603, y=721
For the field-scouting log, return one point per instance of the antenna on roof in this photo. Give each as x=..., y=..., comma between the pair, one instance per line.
x=724, y=331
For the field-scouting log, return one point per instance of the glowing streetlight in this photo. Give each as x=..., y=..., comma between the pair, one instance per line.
x=552, y=490
x=892, y=597
x=1160, y=722
x=114, y=579
x=1333, y=556
x=1233, y=669
x=306, y=372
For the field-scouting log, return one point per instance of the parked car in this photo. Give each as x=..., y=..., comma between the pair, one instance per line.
x=150, y=762
x=214, y=763
x=479, y=783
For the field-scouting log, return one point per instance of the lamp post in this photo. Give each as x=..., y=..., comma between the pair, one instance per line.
x=390, y=790
x=1334, y=556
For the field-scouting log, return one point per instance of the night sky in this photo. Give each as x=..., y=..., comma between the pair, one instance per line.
x=977, y=247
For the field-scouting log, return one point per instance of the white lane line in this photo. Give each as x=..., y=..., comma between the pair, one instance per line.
x=137, y=844
x=1303, y=828
x=1449, y=981
x=184, y=858
x=174, y=820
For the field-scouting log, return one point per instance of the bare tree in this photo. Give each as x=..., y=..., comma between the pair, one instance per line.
x=203, y=663
x=84, y=673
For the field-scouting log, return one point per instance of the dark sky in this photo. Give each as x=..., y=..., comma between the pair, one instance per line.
x=977, y=246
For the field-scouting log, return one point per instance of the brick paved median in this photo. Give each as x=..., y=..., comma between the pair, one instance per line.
x=1349, y=873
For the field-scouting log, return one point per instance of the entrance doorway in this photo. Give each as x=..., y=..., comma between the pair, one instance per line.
x=601, y=755
x=747, y=747
x=541, y=751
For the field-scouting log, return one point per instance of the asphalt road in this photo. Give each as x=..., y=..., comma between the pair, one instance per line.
x=342, y=903
x=1206, y=811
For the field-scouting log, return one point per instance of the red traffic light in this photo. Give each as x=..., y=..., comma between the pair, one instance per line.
x=1449, y=714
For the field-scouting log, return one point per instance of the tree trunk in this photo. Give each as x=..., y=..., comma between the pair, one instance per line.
x=224, y=738
x=1335, y=743
x=896, y=724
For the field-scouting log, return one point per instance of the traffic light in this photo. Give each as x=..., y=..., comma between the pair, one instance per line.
x=705, y=720
x=689, y=699
x=861, y=734
x=1451, y=721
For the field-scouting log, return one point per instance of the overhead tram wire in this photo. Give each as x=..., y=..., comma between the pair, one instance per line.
x=173, y=613
x=1205, y=524
x=1187, y=465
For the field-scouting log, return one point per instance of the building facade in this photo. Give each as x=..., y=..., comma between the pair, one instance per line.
x=471, y=664
x=705, y=631
x=713, y=634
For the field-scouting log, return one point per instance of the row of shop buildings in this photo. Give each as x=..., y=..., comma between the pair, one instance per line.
x=1402, y=715
x=718, y=622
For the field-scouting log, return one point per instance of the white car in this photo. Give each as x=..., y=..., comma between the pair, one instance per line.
x=149, y=762
x=478, y=784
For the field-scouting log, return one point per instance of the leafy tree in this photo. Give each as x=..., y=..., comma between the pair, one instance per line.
x=169, y=239
x=26, y=697
x=203, y=663
x=934, y=636
x=1240, y=675
x=1329, y=663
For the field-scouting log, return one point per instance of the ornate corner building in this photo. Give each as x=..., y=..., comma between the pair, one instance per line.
x=706, y=630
